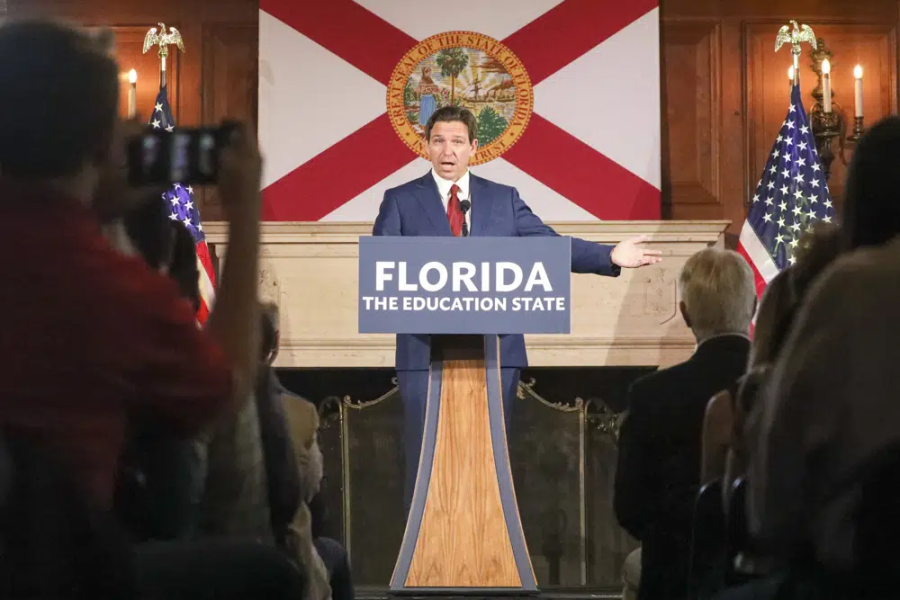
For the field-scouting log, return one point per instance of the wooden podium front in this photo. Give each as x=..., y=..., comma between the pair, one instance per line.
x=463, y=532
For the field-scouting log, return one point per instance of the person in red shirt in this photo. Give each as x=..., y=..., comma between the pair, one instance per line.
x=91, y=336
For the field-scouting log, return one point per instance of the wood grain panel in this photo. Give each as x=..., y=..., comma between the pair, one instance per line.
x=229, y=85
x=803, y=11
x=692, y=81
x=139, y=12
x=871, y=45
x=463, y=541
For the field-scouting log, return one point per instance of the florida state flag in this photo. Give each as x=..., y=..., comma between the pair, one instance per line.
x=566, y=94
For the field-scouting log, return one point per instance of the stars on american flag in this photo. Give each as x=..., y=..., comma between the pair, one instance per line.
x=796, y=193
x=181, y=201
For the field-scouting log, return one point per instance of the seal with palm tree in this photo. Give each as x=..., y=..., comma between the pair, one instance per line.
x=462, y=69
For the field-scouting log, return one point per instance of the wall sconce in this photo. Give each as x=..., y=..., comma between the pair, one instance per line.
x=827, y=117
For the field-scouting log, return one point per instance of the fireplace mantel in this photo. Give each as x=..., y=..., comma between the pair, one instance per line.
x=310, y=270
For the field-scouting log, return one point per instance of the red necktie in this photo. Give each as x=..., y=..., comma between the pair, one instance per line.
x=454, y=212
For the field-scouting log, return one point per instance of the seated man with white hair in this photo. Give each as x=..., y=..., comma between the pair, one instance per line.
x=658, y=472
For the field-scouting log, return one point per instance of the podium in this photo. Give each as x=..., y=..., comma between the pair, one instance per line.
x=463, y=533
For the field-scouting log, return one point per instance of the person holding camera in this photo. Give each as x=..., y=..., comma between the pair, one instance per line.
x=94, y=337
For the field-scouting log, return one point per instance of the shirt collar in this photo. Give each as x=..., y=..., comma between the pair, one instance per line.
x=444, y=185
x=720, y=336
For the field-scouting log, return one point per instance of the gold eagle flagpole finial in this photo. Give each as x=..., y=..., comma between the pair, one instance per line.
x=159, y=37
x=795, y=36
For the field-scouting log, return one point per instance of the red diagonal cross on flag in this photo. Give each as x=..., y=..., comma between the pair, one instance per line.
x=590, y=149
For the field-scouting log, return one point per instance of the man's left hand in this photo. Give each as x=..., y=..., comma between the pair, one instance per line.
x=631, y=254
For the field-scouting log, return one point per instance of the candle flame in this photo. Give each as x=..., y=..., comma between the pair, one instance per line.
x=857, y=72
x=826, y=67
x=132, y=76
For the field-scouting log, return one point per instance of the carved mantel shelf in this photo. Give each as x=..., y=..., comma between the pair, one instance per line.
x=310, y=270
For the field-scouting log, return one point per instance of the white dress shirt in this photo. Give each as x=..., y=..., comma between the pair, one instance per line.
x=444, y=186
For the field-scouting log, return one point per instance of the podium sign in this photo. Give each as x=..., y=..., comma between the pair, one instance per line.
x=463, y=532
x=476, y=285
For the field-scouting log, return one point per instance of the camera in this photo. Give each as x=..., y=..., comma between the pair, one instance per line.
x=185, y=155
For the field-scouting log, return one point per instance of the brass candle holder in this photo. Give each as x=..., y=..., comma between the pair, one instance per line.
x=858, y=129
x=827, y=127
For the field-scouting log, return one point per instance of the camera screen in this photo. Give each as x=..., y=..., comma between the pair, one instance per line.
x=207, y=155
x=181, y=161
x=187, y=156
x=151, y=154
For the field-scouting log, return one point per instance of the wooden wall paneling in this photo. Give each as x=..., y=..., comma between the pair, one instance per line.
x=229, y=84
x=803, y=11
x=732, y=155
x=739, y=167
x=873, y=45
x=692, y=112
x=188, y=113
x=139, y=12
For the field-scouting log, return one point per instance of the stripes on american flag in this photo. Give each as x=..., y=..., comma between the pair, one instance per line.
x=180, y=201
x=790, y=196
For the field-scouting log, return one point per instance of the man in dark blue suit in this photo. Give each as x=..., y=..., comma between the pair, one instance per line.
x=437, y=205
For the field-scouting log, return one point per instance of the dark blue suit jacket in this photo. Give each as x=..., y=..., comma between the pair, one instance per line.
x=415, y=208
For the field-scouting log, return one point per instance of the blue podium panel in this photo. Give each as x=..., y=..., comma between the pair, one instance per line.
x=477, y=285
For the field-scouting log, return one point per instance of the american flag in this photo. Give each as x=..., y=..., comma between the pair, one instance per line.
x=180, y=200
x=791, y=195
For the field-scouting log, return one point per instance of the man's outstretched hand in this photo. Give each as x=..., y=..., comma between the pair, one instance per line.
x=632, y=254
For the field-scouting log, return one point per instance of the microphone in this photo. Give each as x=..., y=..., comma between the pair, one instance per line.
x=464, y=206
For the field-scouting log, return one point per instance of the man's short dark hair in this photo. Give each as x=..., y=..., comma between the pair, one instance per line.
x=451, y=114
x=58, y=101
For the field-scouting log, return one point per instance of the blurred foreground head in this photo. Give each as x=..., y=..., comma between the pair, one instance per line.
x=871, y=212
x=59, y=97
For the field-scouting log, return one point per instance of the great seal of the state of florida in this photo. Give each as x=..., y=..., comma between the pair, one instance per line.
x=466, y=69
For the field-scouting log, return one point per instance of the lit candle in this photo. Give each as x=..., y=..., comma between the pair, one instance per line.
x=791, y=75
x=857, y=73
x=132, y=93
x=826, y=85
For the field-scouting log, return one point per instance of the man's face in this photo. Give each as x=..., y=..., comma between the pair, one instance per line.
x=449, y=149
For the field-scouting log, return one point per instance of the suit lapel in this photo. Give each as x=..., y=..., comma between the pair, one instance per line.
x=430, y=198
x=481, y=205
